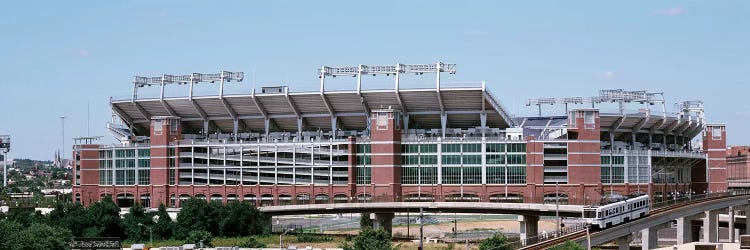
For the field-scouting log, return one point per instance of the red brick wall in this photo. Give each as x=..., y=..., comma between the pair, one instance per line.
x=715, y=146
x=161, y=137
x=89, y=162
x=584, y=156
x=386, y=154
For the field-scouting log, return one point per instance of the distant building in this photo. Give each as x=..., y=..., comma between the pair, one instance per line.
x=738, y=167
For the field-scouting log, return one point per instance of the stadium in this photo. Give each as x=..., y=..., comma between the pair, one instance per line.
x=279, y=147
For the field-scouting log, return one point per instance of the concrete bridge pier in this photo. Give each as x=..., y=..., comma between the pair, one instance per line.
x=384, y=221
x=711, y=226
x=731, y=224
x=623, y=243
x=649, y=238
x=686, y=232
x=268, y=222
x=529, y=226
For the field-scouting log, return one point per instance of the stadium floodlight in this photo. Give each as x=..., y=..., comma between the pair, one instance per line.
x=620, y=96
x=193, y=78
x=388, y=70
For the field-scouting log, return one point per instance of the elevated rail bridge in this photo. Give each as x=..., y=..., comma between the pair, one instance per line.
x=680, y=212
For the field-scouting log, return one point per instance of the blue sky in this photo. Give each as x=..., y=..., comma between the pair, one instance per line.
x=57, y=57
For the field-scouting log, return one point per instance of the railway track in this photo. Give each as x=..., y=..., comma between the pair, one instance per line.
x=582, y=234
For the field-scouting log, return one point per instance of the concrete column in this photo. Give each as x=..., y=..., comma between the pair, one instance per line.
x=685, y=230
x=711, y=226
x=268, y=223
x=746, y=209
x=529, y=226
x=384, y=221
x=649, y=238
x=731, y=225
x=623, y=243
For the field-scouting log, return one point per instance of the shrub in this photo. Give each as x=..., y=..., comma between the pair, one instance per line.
x=252, y=243
x=194, y=237
x=370, y=239
x=497, y=242
x=568, y=245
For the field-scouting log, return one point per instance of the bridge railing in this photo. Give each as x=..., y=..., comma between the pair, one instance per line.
x=545, y=236
x=692, y=197
x=308, y=200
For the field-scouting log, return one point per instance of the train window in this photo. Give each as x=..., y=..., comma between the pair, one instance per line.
x=589, y=213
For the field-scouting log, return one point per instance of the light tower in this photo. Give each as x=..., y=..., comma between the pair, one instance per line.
x=5, y=148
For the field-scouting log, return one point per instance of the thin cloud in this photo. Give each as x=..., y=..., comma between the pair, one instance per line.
x=745, y=113
x=82, y=52
x=674, y=11
x=155, y=14
x=609, y=74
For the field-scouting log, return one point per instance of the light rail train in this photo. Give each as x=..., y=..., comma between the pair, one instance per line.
x=608, y=215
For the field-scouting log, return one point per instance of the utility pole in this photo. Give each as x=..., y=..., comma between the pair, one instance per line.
x=421, y=231
x=557, y=205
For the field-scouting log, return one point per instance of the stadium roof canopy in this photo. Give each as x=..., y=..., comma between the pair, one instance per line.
x=463, y=107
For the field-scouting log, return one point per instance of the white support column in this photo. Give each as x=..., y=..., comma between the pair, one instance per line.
x=623, y=243
x=711, y=226
x=398, y=73
x=221, y=85
x=135, y=91
x=483, y=122
x=484, y=161
x=299, y=129
x=276, y=162
x=267, y=123
x=443, y=122
x=529, y=226
x=322, y=79
x=685, y=230
x=161, y=93
x=731, y=224
x=649, y=238
x=235, y=128
x=333, y=126
x=439, y=165
x=360, y=69
x=437, y=76
x=205, y=128
x=406, y=121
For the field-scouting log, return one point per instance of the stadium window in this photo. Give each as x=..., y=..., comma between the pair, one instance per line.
x=716, y=133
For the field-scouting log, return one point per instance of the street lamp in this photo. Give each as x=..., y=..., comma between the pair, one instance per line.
x=150, y=233
x=281, y=237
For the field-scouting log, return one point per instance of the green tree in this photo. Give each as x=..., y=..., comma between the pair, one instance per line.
x=72, y=216
x=26, y=216
x=371, y=239
x=41, y=236
x=8, y=230
x=568, y=245
x=164, y=226
x=136, y=223
x=106, y=218
x=193, y=216
x=214, y=215
x=241, y=219
x=365, y=221
x=497, y=242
